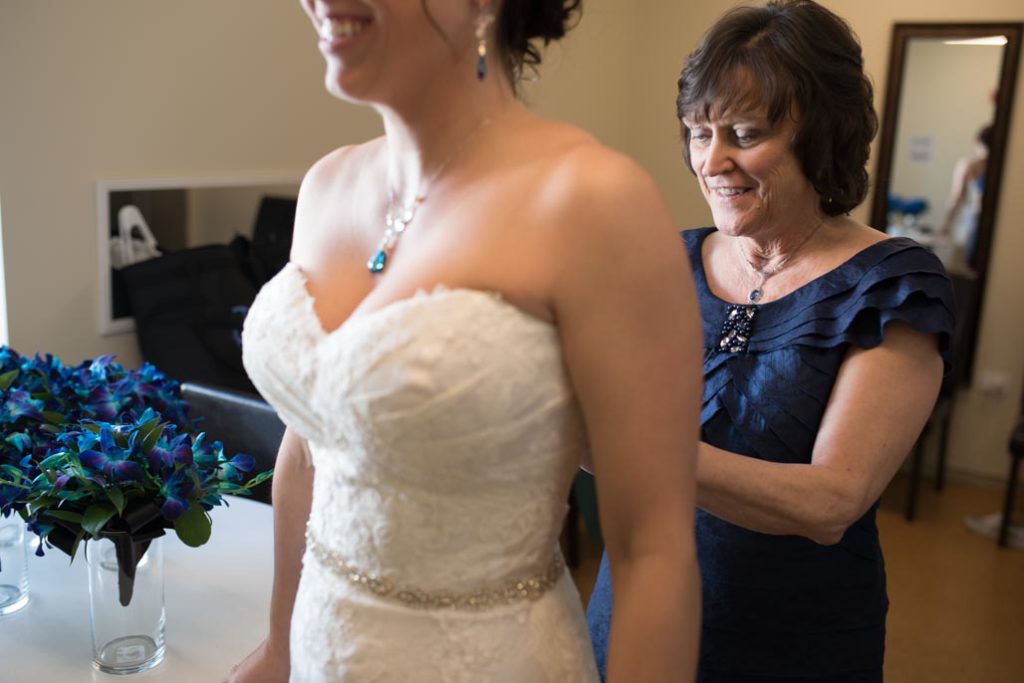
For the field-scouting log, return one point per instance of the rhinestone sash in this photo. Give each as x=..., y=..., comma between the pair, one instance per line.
x=504, y=593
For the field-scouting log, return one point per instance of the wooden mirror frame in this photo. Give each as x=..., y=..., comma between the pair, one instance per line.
x=901, y=34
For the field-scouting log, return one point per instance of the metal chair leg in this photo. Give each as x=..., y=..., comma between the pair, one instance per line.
x=1011, y=492
x=940, y=465
x=915, y=476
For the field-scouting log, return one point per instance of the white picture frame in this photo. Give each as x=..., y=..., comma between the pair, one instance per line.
x=108, y=324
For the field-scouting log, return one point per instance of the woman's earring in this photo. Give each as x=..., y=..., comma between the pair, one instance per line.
x=483, y=23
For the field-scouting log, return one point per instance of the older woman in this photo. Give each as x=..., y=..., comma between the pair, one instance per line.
x=824, y=343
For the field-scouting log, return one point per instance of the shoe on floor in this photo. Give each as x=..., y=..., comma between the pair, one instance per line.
x=988, y=525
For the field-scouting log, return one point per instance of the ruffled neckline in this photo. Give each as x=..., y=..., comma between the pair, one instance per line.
x=837, y=279
x=893, y=279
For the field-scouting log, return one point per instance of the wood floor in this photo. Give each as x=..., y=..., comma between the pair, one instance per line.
x=956, y=599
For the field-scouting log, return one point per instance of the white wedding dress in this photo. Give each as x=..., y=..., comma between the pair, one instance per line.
x=444, y=434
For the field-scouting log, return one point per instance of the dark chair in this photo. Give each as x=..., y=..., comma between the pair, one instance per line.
x=964, y=301
x=1016, y=454
x=244, y=423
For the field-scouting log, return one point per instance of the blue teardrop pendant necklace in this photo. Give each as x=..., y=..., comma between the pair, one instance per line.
x=764, y=274
x=738, y=325
x=398, y=216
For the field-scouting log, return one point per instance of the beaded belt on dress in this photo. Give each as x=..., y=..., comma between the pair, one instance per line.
x=504, y=593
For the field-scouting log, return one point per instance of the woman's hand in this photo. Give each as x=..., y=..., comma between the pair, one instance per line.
x=262, y=665
x=292, y=495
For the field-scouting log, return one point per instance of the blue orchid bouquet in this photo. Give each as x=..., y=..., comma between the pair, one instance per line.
x=98, y=451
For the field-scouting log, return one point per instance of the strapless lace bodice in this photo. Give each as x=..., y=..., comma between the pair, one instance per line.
x=444, y=434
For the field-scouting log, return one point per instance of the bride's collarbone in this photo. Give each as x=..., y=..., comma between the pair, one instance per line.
x=469, y=248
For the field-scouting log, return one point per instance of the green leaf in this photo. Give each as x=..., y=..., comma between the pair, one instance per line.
x=54, y=417
x=53, y=461
x=259, y=479
x=116, y=497
x=96, y=516
x=193, y=527
x=74, y=546
x=7, y=379
x=12, y=472
x=150, y=433
x=66, y=515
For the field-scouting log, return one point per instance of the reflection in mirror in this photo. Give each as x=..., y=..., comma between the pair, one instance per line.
x=938, y=168
x=142, y=220
x=941, y=150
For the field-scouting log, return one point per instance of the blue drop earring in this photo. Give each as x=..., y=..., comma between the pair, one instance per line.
x=483, y=23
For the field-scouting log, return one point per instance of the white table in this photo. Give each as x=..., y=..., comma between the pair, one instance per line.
x=217, y=599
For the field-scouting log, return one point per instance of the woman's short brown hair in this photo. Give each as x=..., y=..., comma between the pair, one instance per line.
x=790, y=58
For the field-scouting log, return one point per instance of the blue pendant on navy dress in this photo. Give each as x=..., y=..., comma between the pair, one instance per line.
x=377, y=263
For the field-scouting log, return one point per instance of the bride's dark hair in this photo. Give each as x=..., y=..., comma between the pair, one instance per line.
x=522, y=22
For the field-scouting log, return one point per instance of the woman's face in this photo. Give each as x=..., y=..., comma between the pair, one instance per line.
x=748, y=173
x=380, y=50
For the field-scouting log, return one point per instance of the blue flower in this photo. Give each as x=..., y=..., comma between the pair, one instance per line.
x=176, y=491
x=20, y=441
x=97, y=433
x=21, y=405
x=177, y=452
x=111, y=459
x=232, y=469
x=100, y=404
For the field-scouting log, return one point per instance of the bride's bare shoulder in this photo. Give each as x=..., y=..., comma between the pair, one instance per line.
x=343, y=165
x=329, y=211
x=584, y=180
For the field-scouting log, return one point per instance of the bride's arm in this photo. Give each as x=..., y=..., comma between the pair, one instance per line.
x=291, y=494
x=627, y=314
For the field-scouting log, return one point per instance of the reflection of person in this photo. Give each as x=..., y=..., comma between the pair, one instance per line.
x=524, y=294
x=809, y=316
x=965, y=197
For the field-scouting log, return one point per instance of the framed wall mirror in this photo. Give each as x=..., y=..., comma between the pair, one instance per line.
x=941, y=151
x=141, y=219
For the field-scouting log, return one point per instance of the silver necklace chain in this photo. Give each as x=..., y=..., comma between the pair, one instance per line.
x=397, y=216
x=765, y=274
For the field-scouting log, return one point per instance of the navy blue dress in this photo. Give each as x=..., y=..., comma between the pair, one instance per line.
x=784, y=608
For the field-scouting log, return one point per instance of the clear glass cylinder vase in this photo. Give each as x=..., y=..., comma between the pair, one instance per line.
x=126, y=638
x=13, y=565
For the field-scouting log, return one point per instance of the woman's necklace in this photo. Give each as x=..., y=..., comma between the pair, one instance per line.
x=765, y=274
x=738, y=325
x=398, y=216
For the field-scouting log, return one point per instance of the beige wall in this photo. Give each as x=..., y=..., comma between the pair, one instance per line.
x=139, y=88
x=216, y=215
x=123, y=89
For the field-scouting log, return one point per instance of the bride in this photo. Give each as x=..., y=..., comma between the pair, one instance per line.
x=472, y=300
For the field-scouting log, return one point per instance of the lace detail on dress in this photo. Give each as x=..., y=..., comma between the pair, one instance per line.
x=445, y=435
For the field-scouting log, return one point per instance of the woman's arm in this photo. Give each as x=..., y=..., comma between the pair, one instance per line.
x=292, y=493
x=957, y=194
x=879, y=404
x=627, y=315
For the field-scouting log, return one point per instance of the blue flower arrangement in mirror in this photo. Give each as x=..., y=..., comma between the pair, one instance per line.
x=97, y=451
